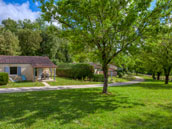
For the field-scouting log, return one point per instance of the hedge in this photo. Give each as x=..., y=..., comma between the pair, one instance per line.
x=65, y=65
x=3, y=78
x=64, y=72
x=75, y=71
x=98, y=78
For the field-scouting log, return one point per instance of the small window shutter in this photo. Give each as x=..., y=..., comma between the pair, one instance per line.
x=7, y=70
x=19, y=71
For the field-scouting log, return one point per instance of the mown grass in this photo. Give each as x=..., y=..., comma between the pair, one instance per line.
x=140, y=106
x=22, y=84
x=123, y=79
x=62, y=81
x=67, y=81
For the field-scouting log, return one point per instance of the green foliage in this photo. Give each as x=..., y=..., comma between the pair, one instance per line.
x=75, y=71
x=10, y=24
x=3, y=78
x=120, y=73
x=80, y=57
x=64, y=72
x=98, y=78
x=64, y=65
x=28, y=24
x=112, y=31
x=81, y=71
x=125, y=61
x=34, y=38
x=29, y=41
x=106, y=27
x=59, y=51
x=157, y=52
x=54, y=46
x=9, y=43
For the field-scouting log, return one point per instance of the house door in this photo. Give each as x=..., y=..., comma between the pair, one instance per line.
x=40, y=72
x=36, y=72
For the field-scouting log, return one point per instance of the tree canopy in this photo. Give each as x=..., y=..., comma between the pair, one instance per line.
x=28, y=38
x=106, y=26
x=9, y=43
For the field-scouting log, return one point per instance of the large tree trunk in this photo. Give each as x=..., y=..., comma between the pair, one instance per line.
x=167, y=73
x=153, y=76
x=166, y=78
x=158, y=75
x=105, y=72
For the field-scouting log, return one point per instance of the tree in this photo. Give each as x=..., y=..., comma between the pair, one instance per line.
x=107, y=26
x=151, y=63
x=29, y=41
x=9, y=43
x=125, y=61
x=10, y=24
x=164, y=53
x=59, y=51
x=54, y=46
x=157, y=53
x=28, y=24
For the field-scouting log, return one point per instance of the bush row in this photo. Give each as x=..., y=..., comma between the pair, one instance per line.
x=3, y=78
x=75, y=71
x=98, y=78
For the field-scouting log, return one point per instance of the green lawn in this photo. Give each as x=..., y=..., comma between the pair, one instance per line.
x=61, y=81
x=67, y=81
x=22, y=84
x=141, y=106
x=123, y=79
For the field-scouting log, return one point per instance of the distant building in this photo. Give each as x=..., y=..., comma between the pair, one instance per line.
x=98, y=69
x=29, y=67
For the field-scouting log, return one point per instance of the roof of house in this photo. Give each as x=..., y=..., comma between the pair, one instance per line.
x=113, y=67
x=98, y=66
x=35, y=61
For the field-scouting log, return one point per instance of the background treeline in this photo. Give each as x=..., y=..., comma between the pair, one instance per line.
x=39, y=38
x=153, y=54
x=36, y=38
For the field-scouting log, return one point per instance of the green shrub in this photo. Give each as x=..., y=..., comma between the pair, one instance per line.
x=64, y=72
x=120, y=73
x=65, y=65
x=75, y=71
x=98, y=78
x=3, y=78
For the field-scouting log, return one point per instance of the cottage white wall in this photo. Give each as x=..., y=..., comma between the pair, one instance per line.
x=26, y=70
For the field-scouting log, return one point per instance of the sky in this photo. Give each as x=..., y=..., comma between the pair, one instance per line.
x=24, y=9
x=19, y=9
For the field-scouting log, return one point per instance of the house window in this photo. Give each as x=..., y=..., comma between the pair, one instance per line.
x=13, y=70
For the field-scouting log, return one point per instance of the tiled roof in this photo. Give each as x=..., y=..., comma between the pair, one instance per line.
x=35, y=61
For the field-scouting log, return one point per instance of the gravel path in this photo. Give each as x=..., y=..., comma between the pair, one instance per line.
x=45, y=88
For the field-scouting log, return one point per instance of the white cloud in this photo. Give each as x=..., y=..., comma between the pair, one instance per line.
x=17, y=12
x=57, y=24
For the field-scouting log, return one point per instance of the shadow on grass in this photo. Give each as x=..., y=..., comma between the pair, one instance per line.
x=149, y=121
x=154, y=120
x=63, y=106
